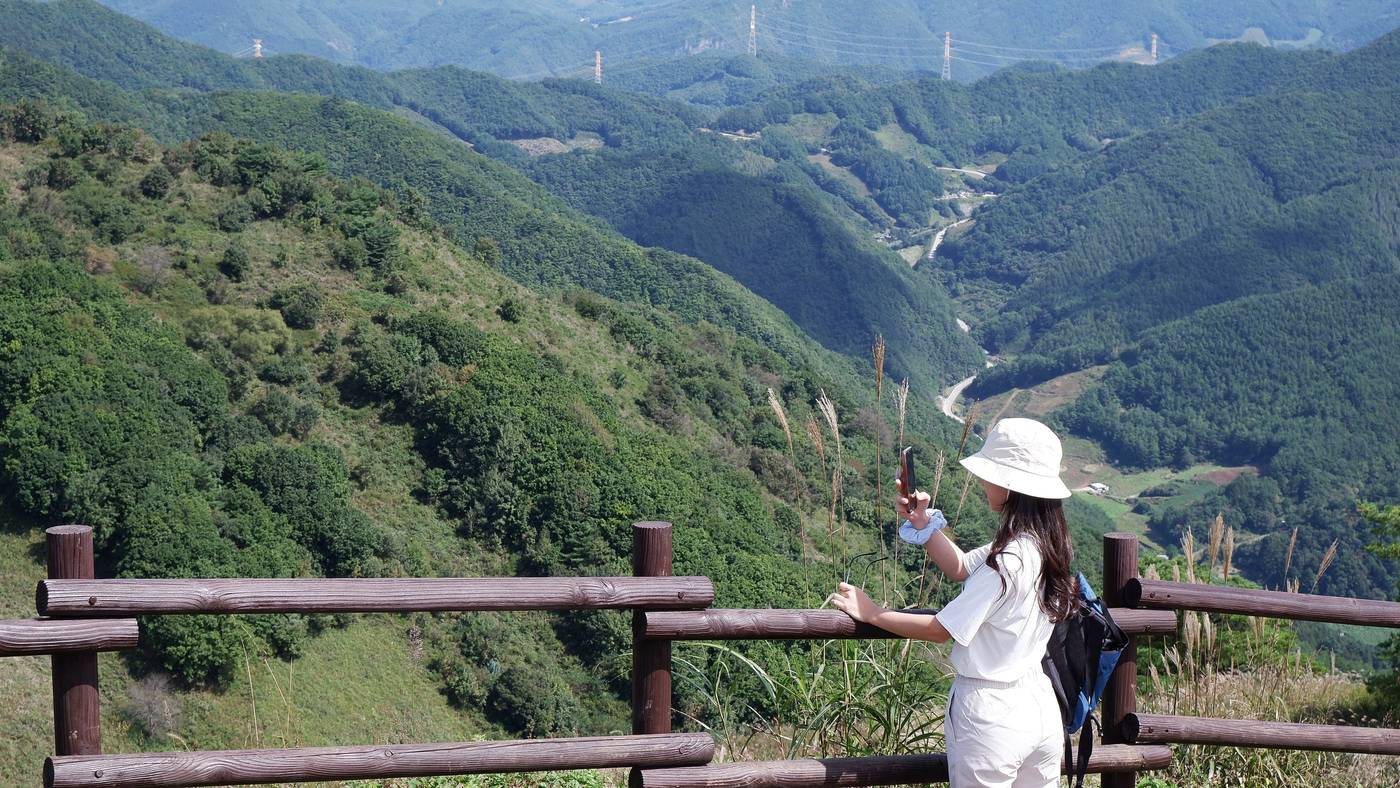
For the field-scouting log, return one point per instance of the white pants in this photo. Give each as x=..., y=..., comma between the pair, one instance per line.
x=1004, y=734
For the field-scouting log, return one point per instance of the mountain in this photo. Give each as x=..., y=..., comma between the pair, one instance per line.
x=558, y=37
x=230, y=362
x=851, y=289
x=1236, y=271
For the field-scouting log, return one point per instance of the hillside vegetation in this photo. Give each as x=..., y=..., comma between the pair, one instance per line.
x=230, y=363
x=808, y=257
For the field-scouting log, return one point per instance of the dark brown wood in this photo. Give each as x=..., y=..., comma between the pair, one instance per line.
x=367, y=595
x=651, y=659
x=1120, y=564
x=307, y=764
x=25, y=637
x=1167, y=595
x=769, y=624
x=879, y=770
x=77, y=714
x=1169, y=729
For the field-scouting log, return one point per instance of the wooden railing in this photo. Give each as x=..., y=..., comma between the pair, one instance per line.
x=84, y=615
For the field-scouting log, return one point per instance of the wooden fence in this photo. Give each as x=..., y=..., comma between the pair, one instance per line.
x=83, y=615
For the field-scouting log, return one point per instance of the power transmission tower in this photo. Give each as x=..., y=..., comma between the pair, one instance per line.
x=947, y=55
x=257, y=47
x=753, y=31
x=598, y=66
x=1154, y=47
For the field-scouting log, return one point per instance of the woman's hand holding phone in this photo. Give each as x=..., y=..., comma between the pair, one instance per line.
x=919, y=514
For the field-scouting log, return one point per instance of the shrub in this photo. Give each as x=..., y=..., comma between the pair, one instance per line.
x=234, y=216
x=64, y=174
x=511, y=310
x=152, y=704
x=284, y=414
x=235, y=262
x=156, y=183
x=301, y=305
x=534, y=702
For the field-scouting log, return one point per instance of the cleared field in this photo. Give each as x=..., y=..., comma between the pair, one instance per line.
x=824, y=161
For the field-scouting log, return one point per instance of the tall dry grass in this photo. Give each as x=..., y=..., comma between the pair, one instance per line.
x=1247, y=674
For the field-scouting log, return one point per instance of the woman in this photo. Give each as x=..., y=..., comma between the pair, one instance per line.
x=1002, y=726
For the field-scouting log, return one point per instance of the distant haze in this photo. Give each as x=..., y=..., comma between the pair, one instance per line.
x=538, y=38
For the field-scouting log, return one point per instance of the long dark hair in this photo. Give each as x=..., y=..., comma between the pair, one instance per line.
x=1043, y=520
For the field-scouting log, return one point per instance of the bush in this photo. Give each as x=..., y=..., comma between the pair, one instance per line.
x=534, y=702
x=235, y=215
x=284, y=414
x=301, y=305
x=156, y=183
x=64, y=174
x=456, y=342
x=235, y=262
x=152, y=704
x=511, y=310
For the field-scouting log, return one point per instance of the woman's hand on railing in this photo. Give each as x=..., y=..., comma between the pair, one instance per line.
x=854, y=602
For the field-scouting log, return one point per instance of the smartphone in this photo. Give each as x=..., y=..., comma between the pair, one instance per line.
x=906, y=472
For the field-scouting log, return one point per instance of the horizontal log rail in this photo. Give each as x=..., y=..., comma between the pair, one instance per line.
x=877, y=770
x=27, y=637
x=1170, y=595
x=1169, y=729
x=311, y=764
x=101, y=598
x=765, y=624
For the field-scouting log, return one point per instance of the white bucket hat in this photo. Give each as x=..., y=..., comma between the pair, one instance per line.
x=1021, y=455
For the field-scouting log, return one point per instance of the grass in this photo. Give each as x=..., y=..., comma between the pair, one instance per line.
x=811, y=128
x=840, y=173
x=1085, y=461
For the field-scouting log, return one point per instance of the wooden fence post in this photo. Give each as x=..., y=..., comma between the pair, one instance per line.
x=651, y=659
x=77, y=718
x=1120, y=564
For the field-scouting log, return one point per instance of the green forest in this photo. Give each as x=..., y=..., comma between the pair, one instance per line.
x=331, y=385
x=295, y=317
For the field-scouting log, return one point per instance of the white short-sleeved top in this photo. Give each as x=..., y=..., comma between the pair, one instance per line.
x=999, y=635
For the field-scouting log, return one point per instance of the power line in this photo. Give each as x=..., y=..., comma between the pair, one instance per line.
x=965, y=42
x=768, y=20
x=794, y=28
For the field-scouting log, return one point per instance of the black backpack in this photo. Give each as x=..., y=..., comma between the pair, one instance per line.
x=1081, y=655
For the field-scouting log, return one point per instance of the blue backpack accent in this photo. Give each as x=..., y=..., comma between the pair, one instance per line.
x=1081, y=655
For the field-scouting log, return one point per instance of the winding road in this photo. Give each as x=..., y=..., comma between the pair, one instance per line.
x=938, y=239
x=948, y=400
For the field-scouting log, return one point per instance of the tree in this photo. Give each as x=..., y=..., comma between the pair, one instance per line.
x=1385, y=526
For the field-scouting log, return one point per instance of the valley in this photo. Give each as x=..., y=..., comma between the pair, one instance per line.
x=376, y=311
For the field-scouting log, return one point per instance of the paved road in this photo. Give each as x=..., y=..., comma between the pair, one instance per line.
x=949, y=400
x=938, y=239
x=963, y=171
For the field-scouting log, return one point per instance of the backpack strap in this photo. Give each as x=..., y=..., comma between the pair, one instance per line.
x=1086, y=748
x=1069, y=759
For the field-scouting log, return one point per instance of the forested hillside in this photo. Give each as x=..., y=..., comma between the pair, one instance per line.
x=1237, y=270
x=555, y=37
x=230, y=363
x=851, y=289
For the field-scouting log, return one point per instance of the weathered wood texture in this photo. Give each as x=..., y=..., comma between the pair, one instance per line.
x=1168, y=729
x=24, y=637
x=769, y=624
x=310, y=764
x=367, y=595
x=1120, y=564
x=651, y=659
x=1168, y=595
x=77, y=711
x=880, y=770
